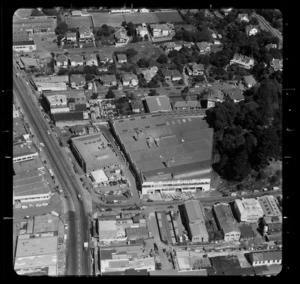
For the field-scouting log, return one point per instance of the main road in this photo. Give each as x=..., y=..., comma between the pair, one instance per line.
x=78, y=261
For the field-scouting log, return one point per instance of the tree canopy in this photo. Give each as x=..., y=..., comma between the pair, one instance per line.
x=61, y=29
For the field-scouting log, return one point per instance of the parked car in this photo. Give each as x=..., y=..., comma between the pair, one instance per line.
x=38, y=205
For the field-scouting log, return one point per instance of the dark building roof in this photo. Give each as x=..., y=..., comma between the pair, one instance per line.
x=225, y=262
x=75, y=115
x=80, y=107
x=25, y=42
x=106, y=253
x=246, y=231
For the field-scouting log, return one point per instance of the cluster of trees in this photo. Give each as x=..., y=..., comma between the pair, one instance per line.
x=196, y=36
x=273, y=16
x=247, y=134
x=61, y=29
x=105, y=31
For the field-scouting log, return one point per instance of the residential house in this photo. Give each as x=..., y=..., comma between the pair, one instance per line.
x=149, y=73
x=271, y=45
x=62, y=60
x=195, y=222
x=203, y=47
x=235, y=94
x=211, y=96
x=276, y=64
x=249, y=81
x=243, y=18
x=187, y=105
x=169, y=46
x=85, y=34
x=176, y=75
x=243, y=61
x=217, y=42
x=25, y=46
x=265, y=258
x=121, y=37
x=226, y=222
x=137, y=106
x=158, y=104
x=76, y=59
x=252, y=30
x=129, y=79
x=161, y=30
x=106, y=57
x=108, y=80
x=197, y=69
x=248, y=210
x=71, y=37
x=166, y=73
x=142, y=31
x=121, y=58
x=91, y=59
x=77, y=81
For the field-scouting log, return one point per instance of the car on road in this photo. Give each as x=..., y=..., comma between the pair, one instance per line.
x=79, y=197
x=30, y=205
x=44, y=204
x=26, y=217
x=38, y=205
x=48, y=132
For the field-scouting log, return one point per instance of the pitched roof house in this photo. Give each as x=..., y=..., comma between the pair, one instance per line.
x=121, y=37
x=197, y=69
x=149, y=73
x=276, y=64
x=244, y=61
x=77, y=81
x=129, y=79
x=252, y=30
x=203, y=46
x=61, y=60
x=235, y=94
x=243, y=17
x=108, y=80
x=142, y=31
x=158, y=104
x=76, y=59
x=121, y=58
x=266, y=258
x=249, y=81
x=106, y=57
x=91, y=59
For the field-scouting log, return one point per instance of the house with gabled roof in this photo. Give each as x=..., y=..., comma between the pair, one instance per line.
x=108, y=80
x=62, y=60
x=276, y=64
x=106, y=57
x=243, y=61
x=121, y=58
x=252, y=30
x=77, y=81
x=249, y=81
x=203, y=47
x=197, y=69
x=243, y=18
x=76, y=59
x=121, y=37
x=129, y=79
x=91, y=59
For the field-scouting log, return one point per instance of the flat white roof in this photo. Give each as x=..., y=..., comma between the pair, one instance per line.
x=99, y=176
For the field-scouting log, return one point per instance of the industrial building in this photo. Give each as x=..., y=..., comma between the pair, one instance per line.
x=28, y=165
x=109, y=232
x=35, y=25
x=269, y=206
x=194, y=221
x=30, y=187
x=158, y=104
x=226, y=222
x=265, y=258
x=36, y=255
x=168, y=153
x=92, y=152
x=248, y=210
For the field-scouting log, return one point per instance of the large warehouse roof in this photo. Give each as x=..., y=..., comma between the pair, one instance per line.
x=158, y=144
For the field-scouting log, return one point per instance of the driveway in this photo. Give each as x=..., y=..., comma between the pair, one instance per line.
x=185, y=77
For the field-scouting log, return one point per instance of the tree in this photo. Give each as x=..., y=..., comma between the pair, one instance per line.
x=143, y=63
x=124, y=24
x=88, y=77
x=253, y=21
x=152, y=92
x=130, y=53
x=62, y=71
x=162, y=59
x=94, y=96
x=50, y=12
x=110, y=94
x=130, y=29
x=146, y=37
x=61, y=29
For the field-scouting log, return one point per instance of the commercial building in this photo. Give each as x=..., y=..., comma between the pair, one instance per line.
x=35, y=25
x=158, y=104
x=189, y=105
x=56, y=102
x=248, y=210
x=36, y=255
x=30, y=187
x=99, y=176
x=92, y=152
x=23, y=152
x=194, y=218
x=134, y=233
x=26, y=46
x=265, y=258
x=27, y=62
x=167, y=153
x=269, y=205
x=53, y=83
x=28, y=165
x=226, y=222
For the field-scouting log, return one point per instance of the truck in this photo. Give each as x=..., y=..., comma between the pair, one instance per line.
x=79, y=197
x=54, y=213
x=18, y=75
x=85, y=246
x=51, y=173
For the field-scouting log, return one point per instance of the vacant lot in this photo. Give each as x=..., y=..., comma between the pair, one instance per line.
x=147, y=18
x=169, y=17
x=100, y=19
x=77, y=22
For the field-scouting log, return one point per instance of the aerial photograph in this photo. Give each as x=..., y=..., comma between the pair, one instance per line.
x=147, y=141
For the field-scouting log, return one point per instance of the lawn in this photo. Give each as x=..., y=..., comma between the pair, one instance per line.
x=147, y=18
x=77, y=22
x=100, y=19
x=169, y=17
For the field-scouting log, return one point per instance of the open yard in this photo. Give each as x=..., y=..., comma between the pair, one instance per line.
x=77, y=22
x=100, y=19
x=172, y=16
x=147, y=18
